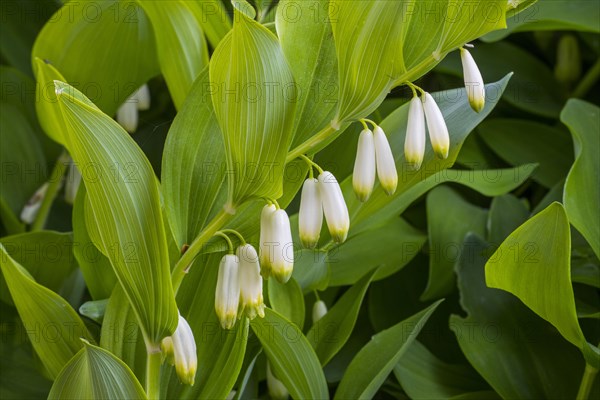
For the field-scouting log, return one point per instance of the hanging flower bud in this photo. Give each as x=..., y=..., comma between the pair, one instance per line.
x=319, y=310
x=283, y=251
x=142, y=95
x=310, y=217
x=438, y=131
x=386, y=165
x=363, y=178
x=473, y=81
x=266, y=240
x=414, y=143
x=568, y=60
x=334, y=207
x=168, y=352
x=73, y=182
x=277, y=389
x=33, y=205
x=227, y=293
x=182, y=347
x=251, y=295
x=127, y=116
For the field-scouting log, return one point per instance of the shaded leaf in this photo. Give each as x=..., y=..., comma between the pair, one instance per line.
x=288, y=300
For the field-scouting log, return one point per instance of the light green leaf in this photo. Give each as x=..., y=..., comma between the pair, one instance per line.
x=214, y=19
x=520, y=141
x=533, y=263
x=106, y=46
x=253, y=93
x=94, y=373
x=331, y=332
x=549, y=15
x=375, y=361
x=123, y=194
x=391, y=246
x=53, y=327
x=182, y=49
x=519, y=354
x=48, y=258
x=449, y=218
x=49, y=115
x=95, y=266
x=582, y=192
x=292, y=359
x=424, y=376
x=288, y=300
x=193, y=181
x=94, y=310
x=306, y=39
x=383, y=44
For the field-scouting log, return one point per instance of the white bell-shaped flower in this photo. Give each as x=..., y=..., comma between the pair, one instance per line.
x=142, y=95
x=334, y=207
x=282, y=263
x=183, y=347
x=414, y=143
x=73, y=182
x=276, y=388
x=32, y=207
x=319, y=310
x=310, y=217
x=251, y=296
x=363, y=178
x=386, y=165
x=438, y=131
x=127, y=115
x=227, y=293
x=473, y=81
x=267, y=242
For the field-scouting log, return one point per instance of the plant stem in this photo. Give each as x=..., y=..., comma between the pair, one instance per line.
x=153, y=373
x=184, y=262
x=310, y=144
x=586, y=83
x=587, y=381
x=53, y=187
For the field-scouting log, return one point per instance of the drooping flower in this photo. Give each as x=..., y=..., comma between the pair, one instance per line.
x=227, y=293
x=251, y=297
x=363, y=178
x=310, y=216
x=266, y=240
x=32, y=207
x=282, y=263
x=473, y=81
x=438, y=131
x=414, y=143
x=180, y=349
x=73, y=182
x=142, y=95
x=276, y=388
x=127, y=113
x=319, y=310
x=386, y=166
x=334, y=207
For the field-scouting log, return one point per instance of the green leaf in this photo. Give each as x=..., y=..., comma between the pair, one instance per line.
x=506, y=214
x=310, y=268
x=381, y=45
x=292, y=359
x=288, y=300
x=53, y=327
x=533, y=263
x=48, y=112
x=519, y=354
x=182, y=49
x=329, y=334
x=253, y=93
x=520, y=141
x=533, y=87
x=123, y=194
x=107, y=47
x=424, y=376
x=94, y=373
x=48, y=258
x=582, y=193
x=94, y=310
x=214, y=19
x=460, y=119
x=391, y=246
x=193, y=182
x=375, y=361
x=449, y=218
x=306, y=39
x=549, y=15
x=95, y=266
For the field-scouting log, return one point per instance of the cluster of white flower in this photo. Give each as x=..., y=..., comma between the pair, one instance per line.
x=127, y=113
